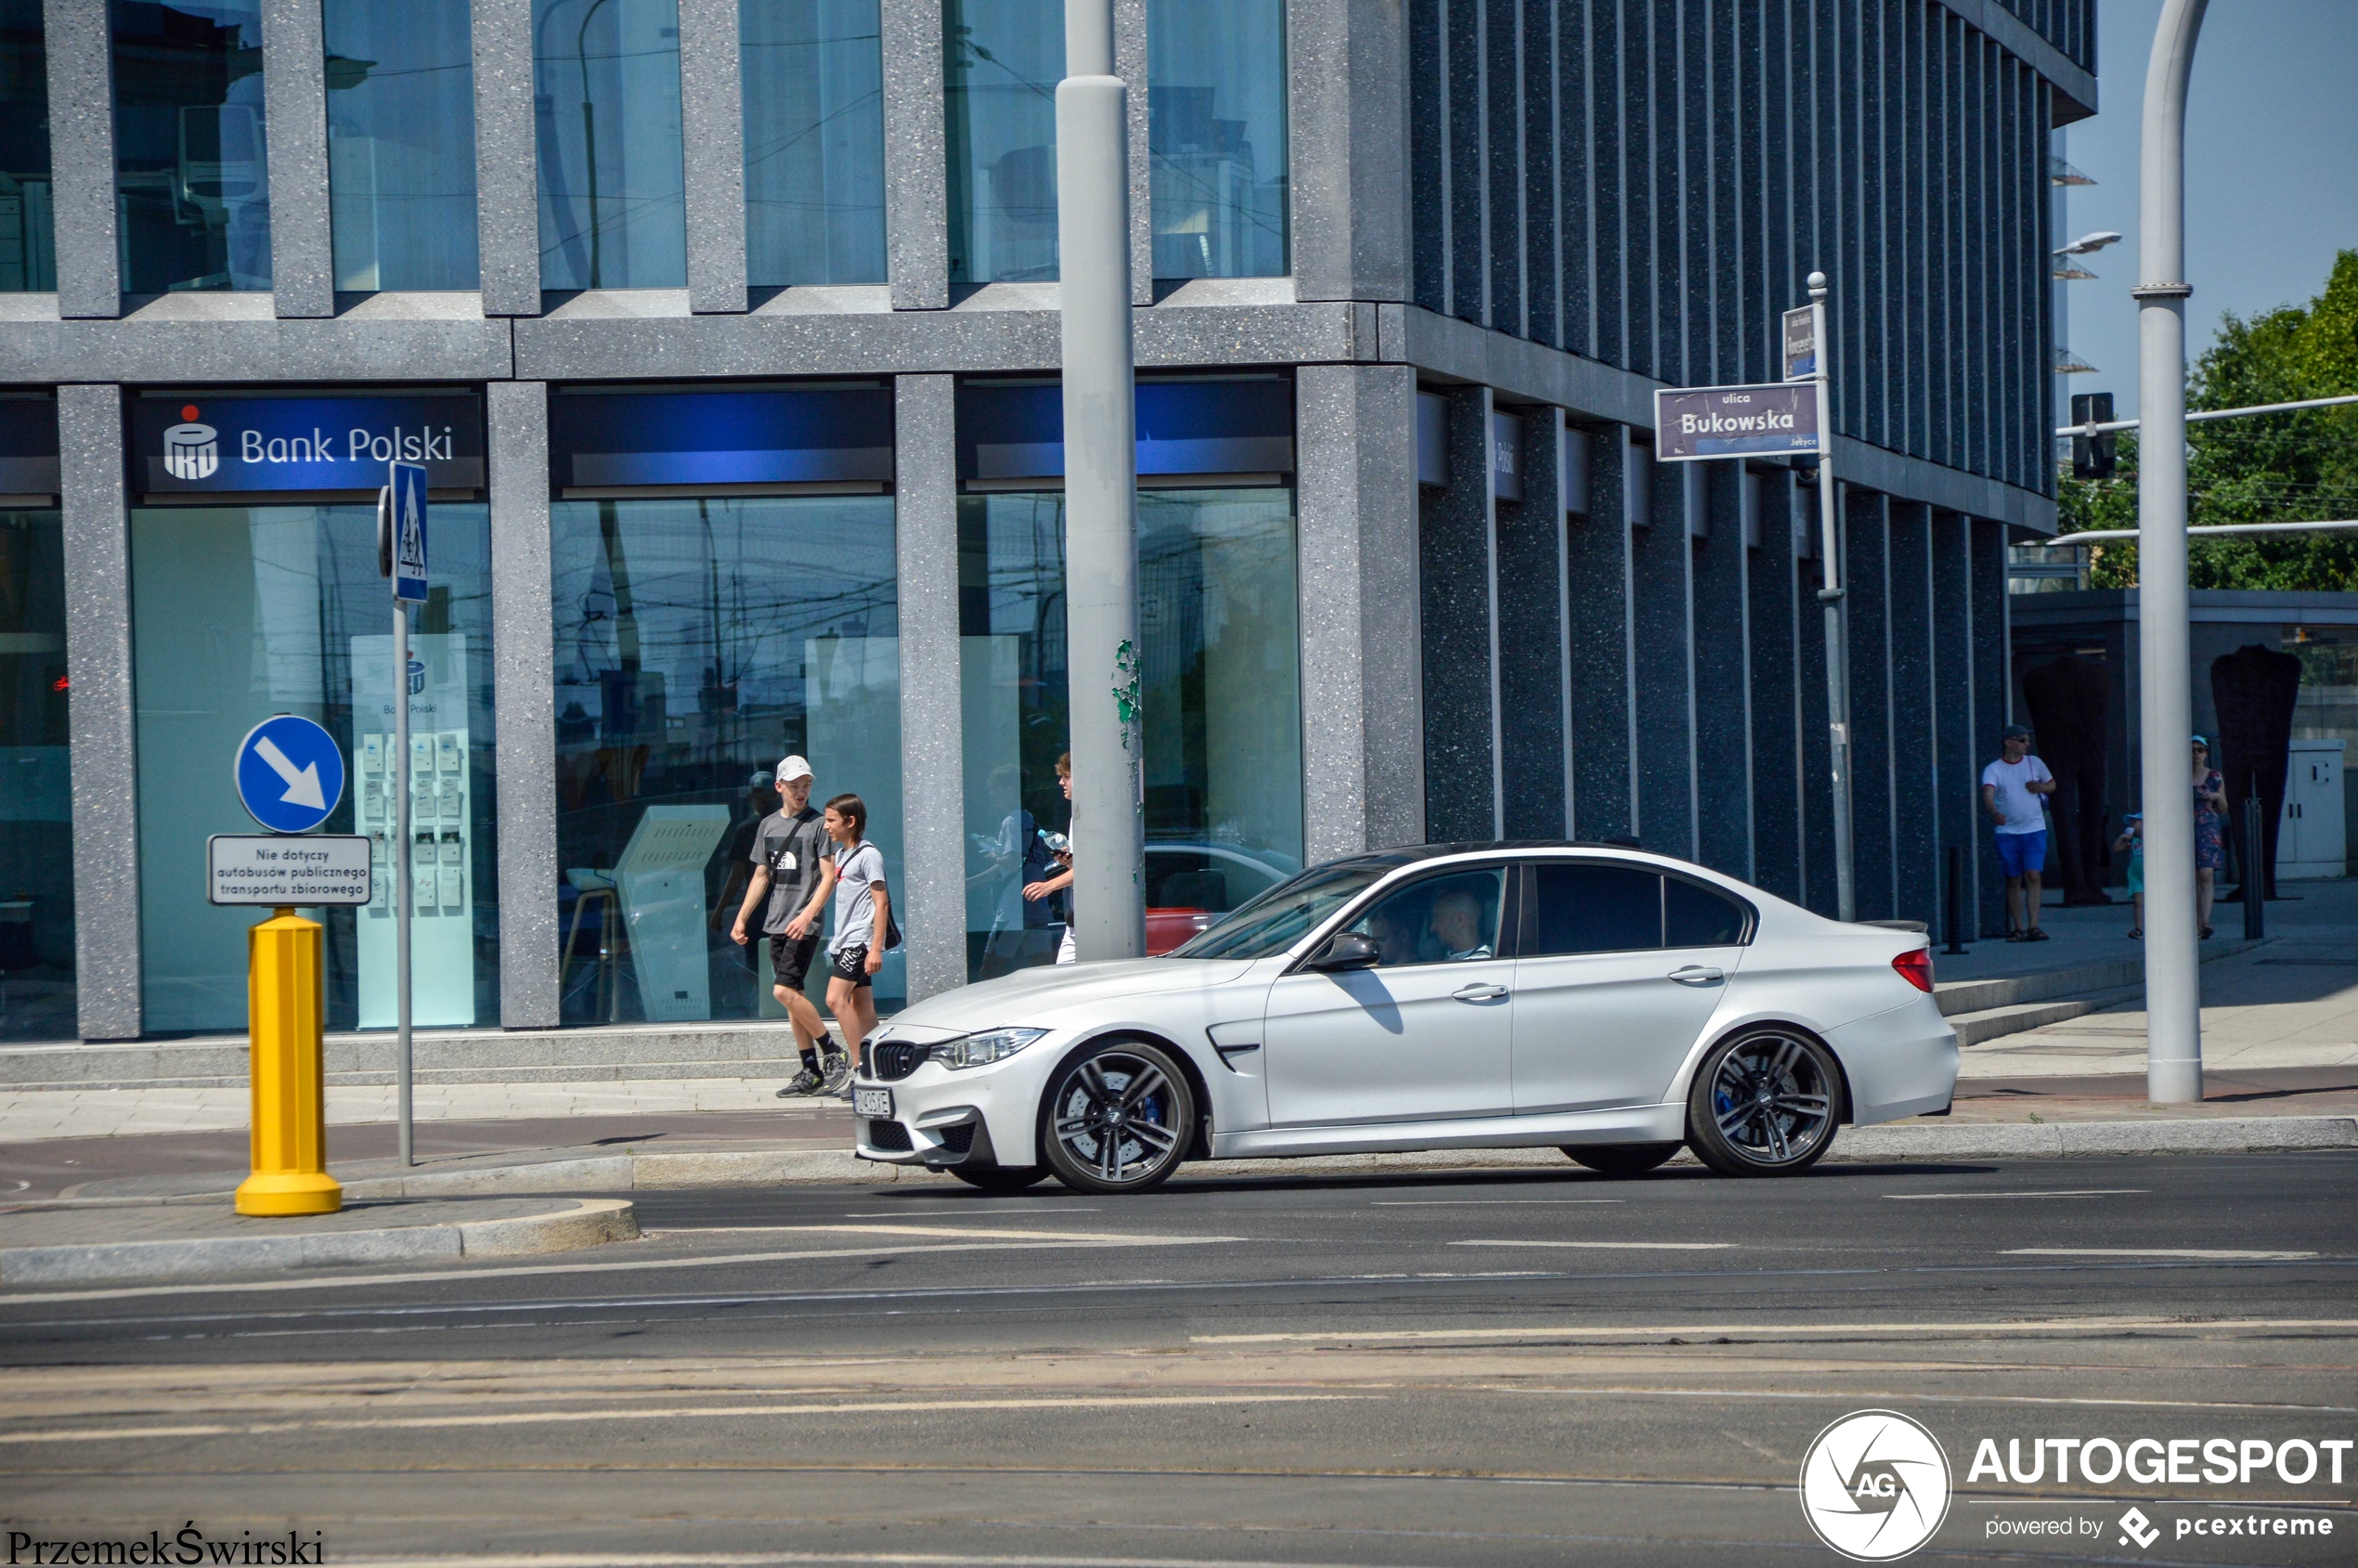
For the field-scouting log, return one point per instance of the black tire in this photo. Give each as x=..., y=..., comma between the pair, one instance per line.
x=1764, y=1103
x=1621, y=1159
x=999, y=1178
x=1118, y=1118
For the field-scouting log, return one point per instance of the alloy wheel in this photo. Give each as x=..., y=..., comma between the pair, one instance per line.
x=1118, y=1119
x=1768, y=1104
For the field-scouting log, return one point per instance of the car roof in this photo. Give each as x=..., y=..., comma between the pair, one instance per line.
x=1412, y=854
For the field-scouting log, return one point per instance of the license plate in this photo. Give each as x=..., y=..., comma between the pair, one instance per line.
x=871, y=1103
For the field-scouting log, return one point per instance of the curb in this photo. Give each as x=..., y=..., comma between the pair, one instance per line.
x=2055, y=1140
x=590, y=1222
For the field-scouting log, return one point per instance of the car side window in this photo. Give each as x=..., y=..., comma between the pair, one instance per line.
x=1449, y=919
x=1591, y=908
x=1693, y=915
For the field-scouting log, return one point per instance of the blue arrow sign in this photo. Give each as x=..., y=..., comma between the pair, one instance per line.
x=289, y=774
x=410, y=531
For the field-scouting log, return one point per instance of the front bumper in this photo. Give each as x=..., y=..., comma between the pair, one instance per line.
x=936, y=1139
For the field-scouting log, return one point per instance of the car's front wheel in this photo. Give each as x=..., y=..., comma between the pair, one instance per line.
x=1764, y=1104
x=999, y=1178
x=1118, y=1118
x=1621, y=1159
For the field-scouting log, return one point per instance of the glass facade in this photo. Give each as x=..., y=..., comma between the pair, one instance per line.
x=698, y=640
x=1002, y=61
x=241, y=612
x=28, y=259
x=37, y=803
x=1217, y=136
x=192, y=180
x=401, y=151
x=613, y=187
x=814, y=141
x=1221, y=691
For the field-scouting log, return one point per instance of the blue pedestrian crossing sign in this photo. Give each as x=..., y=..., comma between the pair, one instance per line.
x=408, y=495
x=289, y=774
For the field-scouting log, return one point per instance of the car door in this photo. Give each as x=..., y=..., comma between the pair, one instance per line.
x=1619, y=969
x=1426, y=1034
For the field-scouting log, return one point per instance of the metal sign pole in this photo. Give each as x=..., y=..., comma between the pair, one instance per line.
x=402, y=892
x=1837, y=612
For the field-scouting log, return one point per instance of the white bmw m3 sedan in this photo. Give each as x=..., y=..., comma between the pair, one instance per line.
x=1611, y=1003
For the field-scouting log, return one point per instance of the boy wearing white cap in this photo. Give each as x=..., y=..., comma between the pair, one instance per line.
x=792, y=868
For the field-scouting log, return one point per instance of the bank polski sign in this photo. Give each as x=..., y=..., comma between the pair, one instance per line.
x=185, y=443
x=1735, y=421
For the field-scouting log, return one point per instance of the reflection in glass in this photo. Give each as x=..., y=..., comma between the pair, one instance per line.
x=243, y=612
x=28, y=260
x=1217, y=136
x=1003, y=60
x=613, y=187
x=401, y=150
x=1220, y=691
x=36, y=804
x=697, y=642
x=191, y=167
x=814, y=141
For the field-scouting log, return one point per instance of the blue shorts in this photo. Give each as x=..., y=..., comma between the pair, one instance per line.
x=2021, y=853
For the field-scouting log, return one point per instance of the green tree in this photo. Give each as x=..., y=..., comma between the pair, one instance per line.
x=2269, y=468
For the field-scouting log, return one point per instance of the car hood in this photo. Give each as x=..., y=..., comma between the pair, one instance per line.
x=1035, y=997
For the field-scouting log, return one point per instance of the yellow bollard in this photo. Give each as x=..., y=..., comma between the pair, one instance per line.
x=286, y=1013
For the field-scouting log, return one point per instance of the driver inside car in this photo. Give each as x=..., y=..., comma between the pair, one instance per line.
x=1456, y=927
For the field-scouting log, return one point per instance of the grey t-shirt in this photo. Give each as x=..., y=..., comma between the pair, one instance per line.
x=859, y=870
x=792, y=845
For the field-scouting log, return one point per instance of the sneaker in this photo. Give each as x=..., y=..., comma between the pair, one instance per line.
x=837, y=1081
x=805, y=1082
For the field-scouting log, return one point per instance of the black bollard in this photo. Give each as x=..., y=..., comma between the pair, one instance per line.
x=2255, y=888
x=1956, y=899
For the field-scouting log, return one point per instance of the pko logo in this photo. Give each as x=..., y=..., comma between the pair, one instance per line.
x=1874, y=1485
x=192, y=450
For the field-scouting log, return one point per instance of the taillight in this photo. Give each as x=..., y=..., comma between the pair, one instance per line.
x=1915, y=967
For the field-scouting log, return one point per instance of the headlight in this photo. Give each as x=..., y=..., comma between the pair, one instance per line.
x=980, y=1050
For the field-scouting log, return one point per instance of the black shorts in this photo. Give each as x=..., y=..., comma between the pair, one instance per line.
x=790, y=958
x=852, y=964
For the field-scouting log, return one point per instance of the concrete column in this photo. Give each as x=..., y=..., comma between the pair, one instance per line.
x=1361, y=719
x=1724, y=790
x=1992, y=702
x=1956, y=794
x=523, y=702
x=1771, y=587
x=82, y=169
x=1456, y=551
x=916, y=157
x=713, y=127
x=933, y=794
x=1531, y=666
x=1601, y=664
x=1914, y=751
x=295, y=90
x=507, y=158
x=1130, y=64
x=1662, y=629
x=104, y=756
x=1348, y=127
x=1866, y=530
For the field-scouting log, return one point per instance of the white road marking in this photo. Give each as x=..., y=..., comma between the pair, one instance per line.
x=1615, y=1245
x=670, y=1413
x=2225, y=1253
x=1482, y=1202
x=939, y=1209
x=1766, y=1330
x=2066, y=1192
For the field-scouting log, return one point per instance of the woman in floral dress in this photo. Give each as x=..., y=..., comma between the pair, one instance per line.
x=2211, y=819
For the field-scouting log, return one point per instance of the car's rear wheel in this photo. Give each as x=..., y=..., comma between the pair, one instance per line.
x=999, y=1178
x=1118, y=1118
x=1764, y=1103
x=1621, y=1159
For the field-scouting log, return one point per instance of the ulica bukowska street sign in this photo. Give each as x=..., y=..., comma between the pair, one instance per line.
x=1735, y=421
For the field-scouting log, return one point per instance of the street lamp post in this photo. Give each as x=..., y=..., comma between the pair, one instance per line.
x=2173, y=991
x=1101, y=490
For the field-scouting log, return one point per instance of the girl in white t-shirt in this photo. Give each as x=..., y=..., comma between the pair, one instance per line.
x=864, y=916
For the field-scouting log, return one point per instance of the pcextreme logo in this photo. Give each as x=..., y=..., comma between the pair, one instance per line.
x=1874, y=1485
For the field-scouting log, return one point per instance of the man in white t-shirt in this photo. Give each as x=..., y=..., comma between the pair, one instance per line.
x=2011, y=791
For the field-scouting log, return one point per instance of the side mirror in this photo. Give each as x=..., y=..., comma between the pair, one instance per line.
x=1349, y=949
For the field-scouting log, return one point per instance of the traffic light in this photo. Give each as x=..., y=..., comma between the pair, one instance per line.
x=2092, y=456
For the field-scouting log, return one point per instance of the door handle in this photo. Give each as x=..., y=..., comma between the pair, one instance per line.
x=1479, y=991
x=1698, y=973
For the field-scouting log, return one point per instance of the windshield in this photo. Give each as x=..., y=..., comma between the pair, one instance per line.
x=1281, y=916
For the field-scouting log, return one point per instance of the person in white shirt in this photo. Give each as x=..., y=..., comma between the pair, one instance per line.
x=2011, y=792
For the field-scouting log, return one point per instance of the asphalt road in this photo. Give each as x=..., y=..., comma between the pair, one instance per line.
x=1484, y=1369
